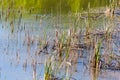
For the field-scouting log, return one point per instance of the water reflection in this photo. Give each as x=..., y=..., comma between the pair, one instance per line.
x=21, y=39
x=94, y=73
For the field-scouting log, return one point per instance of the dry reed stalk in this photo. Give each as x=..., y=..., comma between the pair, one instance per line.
x=34, y=69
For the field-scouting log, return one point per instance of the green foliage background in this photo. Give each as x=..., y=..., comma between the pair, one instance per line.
x=47, y=6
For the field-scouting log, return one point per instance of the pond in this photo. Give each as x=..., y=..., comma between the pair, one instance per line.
x=37, y=44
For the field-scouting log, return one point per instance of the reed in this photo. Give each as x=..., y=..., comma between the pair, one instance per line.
x=79, y=35
x=48, y=71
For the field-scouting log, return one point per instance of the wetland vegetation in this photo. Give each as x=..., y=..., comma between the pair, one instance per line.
x=59, y=39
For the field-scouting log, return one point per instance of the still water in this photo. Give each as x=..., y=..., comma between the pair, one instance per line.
x=20, y=38
x=16, y=57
